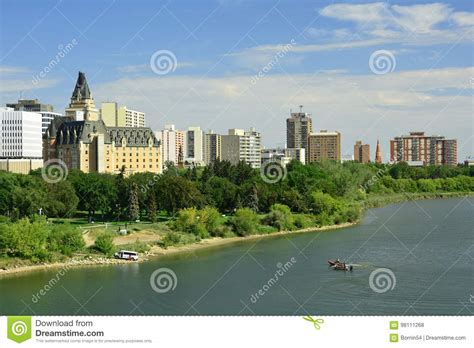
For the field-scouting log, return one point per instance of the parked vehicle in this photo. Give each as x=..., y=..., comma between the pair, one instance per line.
x=127, y=255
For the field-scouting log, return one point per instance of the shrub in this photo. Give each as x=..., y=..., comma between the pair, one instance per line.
x=105, y=243
x=244, y=222
x=209, y=216
x=301, y=221
x=279, y=217
x=66, y=240
x=170, y=238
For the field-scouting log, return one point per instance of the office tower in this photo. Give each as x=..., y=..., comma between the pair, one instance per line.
x=212, y=147
x=34, y=105
x=194, y=146
x=361, y=152
x=20, y=140
x=324, y=145
x=298, y=128
x=172, y=144
x=239, y=145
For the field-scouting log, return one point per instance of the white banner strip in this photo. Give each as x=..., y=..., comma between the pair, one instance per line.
x=238, y=332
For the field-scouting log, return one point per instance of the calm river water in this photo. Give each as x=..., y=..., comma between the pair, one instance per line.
x=426, y=248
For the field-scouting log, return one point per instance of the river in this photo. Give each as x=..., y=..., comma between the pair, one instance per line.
x=420, y=255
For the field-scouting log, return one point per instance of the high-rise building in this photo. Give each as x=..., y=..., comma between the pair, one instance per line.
x=34, y=105
x=82, y=107
x=298, y=127
x=212, y=147
x=239, y=145
x=194, y=146
x=378, y=153
x=20, y=140
x=420, y=149
x=324, y=145
x=172, y=144
x=115, y=116
x=361, y=152
x=89, y=145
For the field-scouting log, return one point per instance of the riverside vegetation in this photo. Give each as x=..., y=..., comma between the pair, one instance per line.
x=80, y=216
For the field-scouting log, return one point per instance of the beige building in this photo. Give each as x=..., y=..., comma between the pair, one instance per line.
x=115, y=116
x=91, y=146
x=361, y=152
x=21, y=166
x=324, y=145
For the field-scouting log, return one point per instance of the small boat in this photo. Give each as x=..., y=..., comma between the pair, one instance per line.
x=342, y=267
x=333, y=262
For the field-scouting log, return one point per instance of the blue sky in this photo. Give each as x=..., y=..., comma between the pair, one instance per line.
x=314, y=53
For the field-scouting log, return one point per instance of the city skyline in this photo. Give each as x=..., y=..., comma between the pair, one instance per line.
x=323, y=58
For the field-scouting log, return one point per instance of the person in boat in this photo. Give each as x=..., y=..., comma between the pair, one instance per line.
x=338, y=261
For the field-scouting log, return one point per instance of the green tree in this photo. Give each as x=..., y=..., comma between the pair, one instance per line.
x=151, y=206
x=133, y=205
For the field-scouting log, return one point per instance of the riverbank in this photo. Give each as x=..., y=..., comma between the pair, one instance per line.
x=157, y=251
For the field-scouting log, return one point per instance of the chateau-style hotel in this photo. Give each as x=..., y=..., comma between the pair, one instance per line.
x=82, y=140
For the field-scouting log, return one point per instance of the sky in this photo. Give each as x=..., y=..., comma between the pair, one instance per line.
x=370, y=70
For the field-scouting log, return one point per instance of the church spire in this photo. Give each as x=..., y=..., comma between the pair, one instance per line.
x=378, y=153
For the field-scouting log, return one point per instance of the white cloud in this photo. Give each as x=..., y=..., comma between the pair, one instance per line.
x=463, y=18
x=360, y=13
x=12, y=69
x=425, y=24
x=360, y=106
x=15, y=79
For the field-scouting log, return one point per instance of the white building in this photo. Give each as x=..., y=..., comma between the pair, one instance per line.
x=239, y=145
x=284, y=156
x=20, y=140
x=46, y=118
x=194, y=146
x=172, y=143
